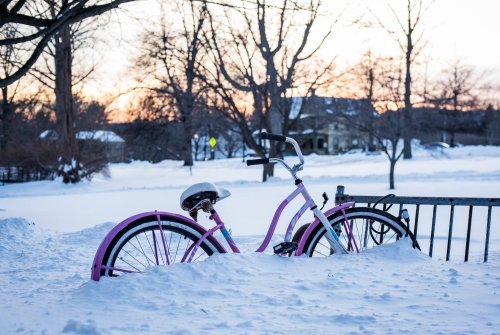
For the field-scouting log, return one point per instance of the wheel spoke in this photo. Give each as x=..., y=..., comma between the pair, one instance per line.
x=142, y=251
x=177, y=249
x=128, y=253
x=124, y=261
x=201, y=254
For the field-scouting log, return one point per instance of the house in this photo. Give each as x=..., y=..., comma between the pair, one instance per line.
x=114, y=145
x=326, y=125
x=105, y=141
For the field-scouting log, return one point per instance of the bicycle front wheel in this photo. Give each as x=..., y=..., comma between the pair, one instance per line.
x=151, y=242
x=359, y=229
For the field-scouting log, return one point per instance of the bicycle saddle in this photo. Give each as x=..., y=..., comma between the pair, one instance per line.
x=194, y=194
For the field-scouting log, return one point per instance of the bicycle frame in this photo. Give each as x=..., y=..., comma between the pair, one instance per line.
x=320, y=218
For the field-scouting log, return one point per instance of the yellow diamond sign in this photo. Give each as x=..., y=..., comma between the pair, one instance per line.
x=212, y=141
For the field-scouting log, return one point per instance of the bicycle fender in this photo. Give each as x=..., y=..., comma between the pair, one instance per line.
x=316, y=222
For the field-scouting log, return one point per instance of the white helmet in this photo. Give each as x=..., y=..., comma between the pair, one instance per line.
x=198, y=192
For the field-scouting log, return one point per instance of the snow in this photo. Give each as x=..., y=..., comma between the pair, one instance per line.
x=296, y=106
x=100, y=135
x=45, y=134
x=50, y=231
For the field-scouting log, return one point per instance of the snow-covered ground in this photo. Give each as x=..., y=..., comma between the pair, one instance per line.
x=49, y=233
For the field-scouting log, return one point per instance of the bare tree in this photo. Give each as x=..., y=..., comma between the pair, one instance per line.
x=381, y=81
x=454, y=94
x=410, y=44
x=9, y=55
x=389, y=137
x=364, y=76
x=390, y=126
x=172, y=55
x=492, y=125
x=491, y=103
x=35, y=29
x=56, y=71
x=259, y=55
x=90, y=115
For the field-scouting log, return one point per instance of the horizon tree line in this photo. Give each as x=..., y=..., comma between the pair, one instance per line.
x=241, y=62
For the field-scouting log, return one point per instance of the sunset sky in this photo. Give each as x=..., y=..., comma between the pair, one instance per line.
x=467, y=30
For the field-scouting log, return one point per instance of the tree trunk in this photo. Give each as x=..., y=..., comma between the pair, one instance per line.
x=275, y=126
x=391, y=173
x=452, y=139
x=407, y=122
x=369, y=112
x=454, y=119
x=69, y=167
x=268, y=169
x=5, y=117
x=187, y=150
x=186, y=106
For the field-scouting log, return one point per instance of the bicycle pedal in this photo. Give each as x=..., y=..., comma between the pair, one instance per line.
x=285, y=247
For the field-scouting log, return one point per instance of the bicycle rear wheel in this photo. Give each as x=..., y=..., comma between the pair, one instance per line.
x=151, y=242
x=368, y=227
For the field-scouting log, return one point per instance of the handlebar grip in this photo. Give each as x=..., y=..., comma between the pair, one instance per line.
x=257, y=161
x=273, y=137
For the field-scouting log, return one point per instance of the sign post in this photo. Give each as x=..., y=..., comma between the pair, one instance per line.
x=212, y=141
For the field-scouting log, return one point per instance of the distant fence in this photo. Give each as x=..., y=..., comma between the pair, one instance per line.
x=20, y=175
x=455, y=221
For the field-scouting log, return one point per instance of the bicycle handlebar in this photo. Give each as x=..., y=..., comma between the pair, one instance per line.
x=257, y=161
x=281, y=138
x=273, y=137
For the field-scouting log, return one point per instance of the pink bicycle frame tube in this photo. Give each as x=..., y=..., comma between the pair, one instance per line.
x=191, y=251
x=188, y=256
x=309, y=203
x=296, y=217
x=215, y=216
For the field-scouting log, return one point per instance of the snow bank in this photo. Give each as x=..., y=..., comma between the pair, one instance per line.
x=390, y=289
x=15, y=234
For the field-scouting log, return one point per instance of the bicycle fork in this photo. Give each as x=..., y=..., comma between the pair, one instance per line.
x=331, y=236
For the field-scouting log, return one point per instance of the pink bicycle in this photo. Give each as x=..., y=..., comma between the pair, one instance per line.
x=162, y=238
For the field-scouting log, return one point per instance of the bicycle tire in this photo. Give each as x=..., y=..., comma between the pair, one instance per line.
x=140, y=245
x=370, y=227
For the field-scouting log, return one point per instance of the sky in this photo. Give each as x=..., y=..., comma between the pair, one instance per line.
x=470, y=30
x=464, y=30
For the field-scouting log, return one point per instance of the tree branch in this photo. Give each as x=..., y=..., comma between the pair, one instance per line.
x=72, y=15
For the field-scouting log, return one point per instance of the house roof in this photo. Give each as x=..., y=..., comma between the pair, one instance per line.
x=317, y=105
x=100, y=135
x=49, y=134
x=104, y=136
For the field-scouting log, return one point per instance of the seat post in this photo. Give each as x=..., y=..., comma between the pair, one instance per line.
x=227, y=236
